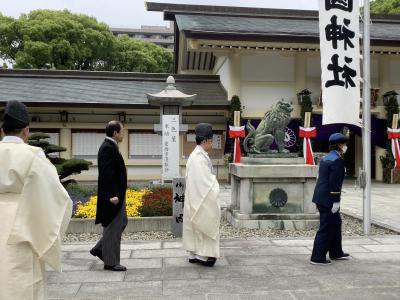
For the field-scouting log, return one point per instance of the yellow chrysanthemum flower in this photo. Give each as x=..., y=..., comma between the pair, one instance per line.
x=133, y=203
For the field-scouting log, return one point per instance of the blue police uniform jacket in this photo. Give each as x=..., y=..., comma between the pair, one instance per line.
x=330, y=180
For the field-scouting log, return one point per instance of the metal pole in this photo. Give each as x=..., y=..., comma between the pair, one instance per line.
x=366, y=122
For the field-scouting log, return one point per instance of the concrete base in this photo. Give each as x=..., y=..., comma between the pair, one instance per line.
x=276, y=194
x=272, y=221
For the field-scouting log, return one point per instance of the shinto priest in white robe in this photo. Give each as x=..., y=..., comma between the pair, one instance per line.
x=202, y=213
x=35, y=211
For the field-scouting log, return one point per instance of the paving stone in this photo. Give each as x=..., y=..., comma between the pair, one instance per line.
x=86, y=276
x=135, y=263
x=351, y=249
x=77, y=264
x=359, y=241
x=245, y=243
x=87, y=255
x=189, y=297
x=62, y=290
x=159, y=253
x=219, y=272
x=383, y=248
x=352, y=293
x=370, y=280
x=260, y=260
x=354, y=266
x=393, y=257
x=172, y=245
x=304, y=269
x=290, y=243
x=77, y=247
x=141, y=245
x=277, y=295
x=267, y=250
x=183, y=262
x=237, y=285
x=121, y=289
x=393, y=239
x=162, y=274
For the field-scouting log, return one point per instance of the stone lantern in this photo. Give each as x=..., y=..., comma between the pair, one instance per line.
x=170, y=100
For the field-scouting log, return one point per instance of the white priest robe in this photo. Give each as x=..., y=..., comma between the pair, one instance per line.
x=202, y=212
x=35, y=211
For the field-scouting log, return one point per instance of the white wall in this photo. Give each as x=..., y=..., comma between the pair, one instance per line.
x=224, y=74
x=265, y=79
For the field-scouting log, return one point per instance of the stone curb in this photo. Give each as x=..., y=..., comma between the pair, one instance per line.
x=134, y=225
x=376, y=223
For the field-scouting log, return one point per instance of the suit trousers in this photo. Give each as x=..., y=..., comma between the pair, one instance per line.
x=329, y=235
x=110, y=243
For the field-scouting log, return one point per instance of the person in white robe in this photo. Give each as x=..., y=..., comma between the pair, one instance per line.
x=35, y=211
x=201, y=214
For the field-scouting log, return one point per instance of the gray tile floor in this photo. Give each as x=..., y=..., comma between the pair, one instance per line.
x=248, y=269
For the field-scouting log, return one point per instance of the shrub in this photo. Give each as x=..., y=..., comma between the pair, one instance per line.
x=157, y=203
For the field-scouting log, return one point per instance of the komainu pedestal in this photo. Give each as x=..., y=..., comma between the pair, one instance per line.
x=273, y=193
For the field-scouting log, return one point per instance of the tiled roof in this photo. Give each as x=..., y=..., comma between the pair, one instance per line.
x=104, y=88
x=244, y=26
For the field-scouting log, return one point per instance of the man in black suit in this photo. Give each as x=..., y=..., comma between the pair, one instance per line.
x=327, y=198
x=111, y=206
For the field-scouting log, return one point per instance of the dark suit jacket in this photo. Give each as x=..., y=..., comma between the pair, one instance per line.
x=112, y=182
x=330, y=180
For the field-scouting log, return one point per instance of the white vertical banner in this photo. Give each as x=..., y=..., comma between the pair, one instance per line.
x=340, y=61
x=170, y=146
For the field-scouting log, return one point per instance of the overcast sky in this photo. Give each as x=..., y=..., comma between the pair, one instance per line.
x=132, y=13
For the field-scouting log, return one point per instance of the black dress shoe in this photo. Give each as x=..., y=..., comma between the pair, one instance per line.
x=117, y=268
x=210, y=262
x=344, y=256
x=97, y=253
x=193, y=260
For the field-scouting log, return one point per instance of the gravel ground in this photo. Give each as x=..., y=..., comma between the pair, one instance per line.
x=350, y=227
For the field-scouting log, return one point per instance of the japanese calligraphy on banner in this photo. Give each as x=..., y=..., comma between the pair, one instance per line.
x=170, y=146
x=340, y=61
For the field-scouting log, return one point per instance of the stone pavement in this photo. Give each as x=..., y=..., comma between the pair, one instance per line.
x=247, y=269
x=385, y=203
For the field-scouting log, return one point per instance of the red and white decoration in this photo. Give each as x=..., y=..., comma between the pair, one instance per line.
x=307, y=133
x=394, y=135
x=236, y=132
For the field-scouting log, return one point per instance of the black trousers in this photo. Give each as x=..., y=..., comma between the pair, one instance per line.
x=329, y=235
x=110, y=243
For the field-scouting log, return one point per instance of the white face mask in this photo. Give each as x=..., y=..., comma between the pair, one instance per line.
x=344, y=149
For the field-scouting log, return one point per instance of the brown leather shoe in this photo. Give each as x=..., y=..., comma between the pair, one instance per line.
x=117, y=268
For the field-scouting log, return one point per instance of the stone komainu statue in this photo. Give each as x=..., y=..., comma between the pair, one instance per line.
x=272, y=127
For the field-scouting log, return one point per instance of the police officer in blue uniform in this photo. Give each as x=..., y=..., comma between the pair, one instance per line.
x=327, y=198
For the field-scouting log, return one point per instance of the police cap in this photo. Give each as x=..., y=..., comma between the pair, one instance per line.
x=338, y=138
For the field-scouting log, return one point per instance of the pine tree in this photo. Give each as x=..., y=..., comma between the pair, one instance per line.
x=65, y=167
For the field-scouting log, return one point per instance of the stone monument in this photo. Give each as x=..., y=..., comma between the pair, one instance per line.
x=272, y=188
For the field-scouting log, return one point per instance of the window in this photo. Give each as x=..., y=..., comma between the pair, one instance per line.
x=145, y=145
x=189, y=143
x=86, y=144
